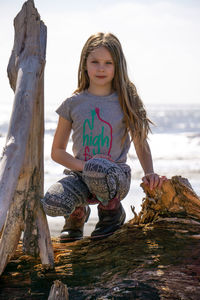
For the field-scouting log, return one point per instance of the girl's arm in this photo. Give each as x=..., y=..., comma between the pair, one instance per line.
x=60, y=142
x=144, y=155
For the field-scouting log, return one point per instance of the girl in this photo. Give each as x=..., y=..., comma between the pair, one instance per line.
x=104, y=114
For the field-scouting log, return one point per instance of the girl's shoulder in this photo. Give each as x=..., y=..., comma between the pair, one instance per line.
x=72, y=99
x=76, y=96
x=68, y=105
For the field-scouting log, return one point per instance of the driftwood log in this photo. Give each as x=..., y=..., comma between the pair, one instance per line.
x=21, y=165
x=154, y=256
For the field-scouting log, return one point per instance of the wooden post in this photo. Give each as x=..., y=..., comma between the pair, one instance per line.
x=21, y=165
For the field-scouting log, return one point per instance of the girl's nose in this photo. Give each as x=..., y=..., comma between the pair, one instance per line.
x=101, y=68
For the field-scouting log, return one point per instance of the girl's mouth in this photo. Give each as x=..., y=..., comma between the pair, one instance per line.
x=101, y=77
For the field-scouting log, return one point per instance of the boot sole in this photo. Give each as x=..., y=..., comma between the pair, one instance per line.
x=70, y=240
x=100, y=237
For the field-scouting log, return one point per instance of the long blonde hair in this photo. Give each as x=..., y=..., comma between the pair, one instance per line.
x=135, y=117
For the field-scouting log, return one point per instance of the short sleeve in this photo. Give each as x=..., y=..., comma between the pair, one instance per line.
x=64, y=110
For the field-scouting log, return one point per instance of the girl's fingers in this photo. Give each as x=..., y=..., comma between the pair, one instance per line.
x=154, y=180
x=151, y=182
x=162, y=179
x=144, y=179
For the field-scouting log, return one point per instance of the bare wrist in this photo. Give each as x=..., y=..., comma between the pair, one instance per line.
x=149, y=173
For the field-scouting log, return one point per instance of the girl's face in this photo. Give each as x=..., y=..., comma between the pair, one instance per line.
x=100, y=68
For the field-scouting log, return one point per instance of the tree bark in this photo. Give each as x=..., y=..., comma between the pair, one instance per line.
x=24, y=70
x=21, y=166
x=154, y=256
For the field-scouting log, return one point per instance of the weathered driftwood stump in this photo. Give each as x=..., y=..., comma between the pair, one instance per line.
x=58, y=291
x=154, y=256
x=21, y=165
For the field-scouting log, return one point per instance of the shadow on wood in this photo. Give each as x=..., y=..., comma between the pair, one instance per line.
x=154, y=256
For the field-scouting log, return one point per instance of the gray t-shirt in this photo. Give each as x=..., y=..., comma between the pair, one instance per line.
x=97, y=126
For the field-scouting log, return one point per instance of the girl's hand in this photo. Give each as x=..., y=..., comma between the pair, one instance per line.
x=153, y=180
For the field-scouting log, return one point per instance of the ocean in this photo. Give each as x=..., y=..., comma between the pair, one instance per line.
x=174, y=143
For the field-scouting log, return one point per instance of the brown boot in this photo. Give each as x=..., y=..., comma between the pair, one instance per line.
x=110, y=220
x=73, y=228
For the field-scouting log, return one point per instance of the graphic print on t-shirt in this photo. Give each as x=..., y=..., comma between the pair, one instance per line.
x=96, y=142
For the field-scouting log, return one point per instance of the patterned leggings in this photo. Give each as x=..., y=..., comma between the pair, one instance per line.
x=102, y=181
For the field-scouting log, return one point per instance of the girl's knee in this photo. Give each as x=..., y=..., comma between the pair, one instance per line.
x=55, y=201
x=107, y=179
x=51, y=209
x=63, y=196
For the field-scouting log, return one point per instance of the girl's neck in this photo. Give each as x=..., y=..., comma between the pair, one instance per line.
x=100, y=92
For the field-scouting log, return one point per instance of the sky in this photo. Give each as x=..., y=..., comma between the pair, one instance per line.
x=160, y=39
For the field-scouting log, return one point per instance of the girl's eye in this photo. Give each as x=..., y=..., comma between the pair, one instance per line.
x=94, y=62
x=109, y=62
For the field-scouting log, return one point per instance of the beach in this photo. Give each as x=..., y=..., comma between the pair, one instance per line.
x=175, y=147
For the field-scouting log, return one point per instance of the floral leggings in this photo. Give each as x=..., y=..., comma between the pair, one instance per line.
x=102, y=181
